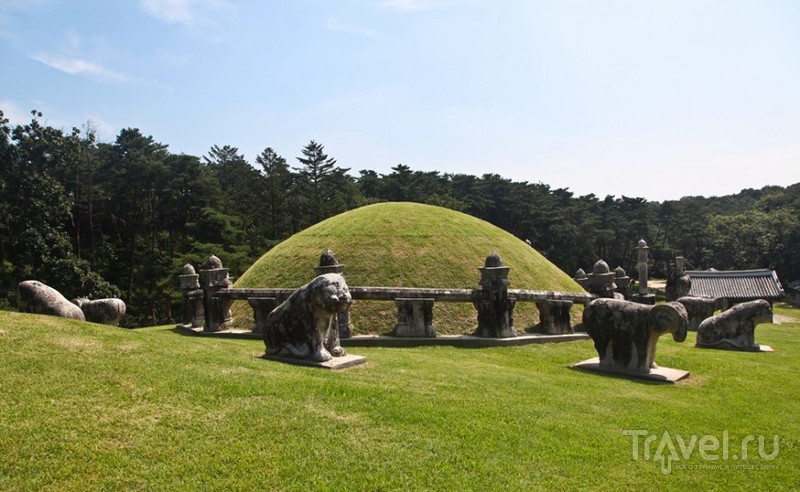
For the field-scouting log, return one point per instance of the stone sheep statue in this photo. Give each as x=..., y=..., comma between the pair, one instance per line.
x=625, y=333
x=104, y=311
x=38, y=298
x=702, y=308
x=304, y=326
x=734, y=329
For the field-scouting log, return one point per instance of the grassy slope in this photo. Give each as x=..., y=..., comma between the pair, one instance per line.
x=407, y=245
x=87, y=406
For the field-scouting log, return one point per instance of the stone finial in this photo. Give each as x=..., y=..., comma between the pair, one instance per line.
x=493, y=261
x=600, y=268
x=327, y=258
x=580, y=274
x=188, y=269
x=642, y=244
x=213, y=263
x=619, y=272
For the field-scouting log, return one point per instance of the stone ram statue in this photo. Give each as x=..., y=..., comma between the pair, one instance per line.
x=38, y=298
x=304, y=326
x=734, y=329
x=702, y=308
x=104, y=311
x=625, y=333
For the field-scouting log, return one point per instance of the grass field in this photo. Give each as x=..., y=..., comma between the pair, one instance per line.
x=84, y=406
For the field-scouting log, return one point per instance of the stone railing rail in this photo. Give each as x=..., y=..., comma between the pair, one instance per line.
x=208, y=295
x=437, y=294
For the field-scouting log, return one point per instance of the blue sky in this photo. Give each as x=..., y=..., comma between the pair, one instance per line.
x=651, y=98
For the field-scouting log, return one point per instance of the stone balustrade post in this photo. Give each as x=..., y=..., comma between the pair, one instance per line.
x=193, y=313
x=495, y=307
x=217, y=310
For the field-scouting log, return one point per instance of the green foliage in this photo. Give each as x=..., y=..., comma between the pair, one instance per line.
x=102, y=219
x=90, y=407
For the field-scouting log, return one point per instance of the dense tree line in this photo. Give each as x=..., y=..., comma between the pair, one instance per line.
x=121, y=218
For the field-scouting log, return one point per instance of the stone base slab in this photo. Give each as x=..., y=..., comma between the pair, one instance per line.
x=660, y=374
x=335, y=364
x=762, y=348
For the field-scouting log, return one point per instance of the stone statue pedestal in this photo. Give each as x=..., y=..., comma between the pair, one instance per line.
x=658, y=374
x=335, y=364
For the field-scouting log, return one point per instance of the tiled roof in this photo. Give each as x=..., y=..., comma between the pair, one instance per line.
x=736, y=284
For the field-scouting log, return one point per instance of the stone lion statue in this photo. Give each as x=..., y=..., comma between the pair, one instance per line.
x=734, y=329
x=304, y=326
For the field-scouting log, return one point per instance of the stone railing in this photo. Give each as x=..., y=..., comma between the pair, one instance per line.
x=494, y=302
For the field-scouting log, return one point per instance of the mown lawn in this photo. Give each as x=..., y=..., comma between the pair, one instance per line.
x=85, y=406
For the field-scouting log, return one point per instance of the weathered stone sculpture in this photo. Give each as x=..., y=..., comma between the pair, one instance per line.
x=38, y=298
x=104, y=311
x=678, y=282
x=495, y=308
x=304, y=326
x=702, y=308
x=625, y=333
x=734, y=329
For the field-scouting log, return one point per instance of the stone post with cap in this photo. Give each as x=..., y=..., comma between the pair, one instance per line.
x=193, y=313
x=213, y=279
x=495, y=308
x=643, y=297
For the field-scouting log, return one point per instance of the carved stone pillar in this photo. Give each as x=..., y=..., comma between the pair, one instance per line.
x=262, y=306
x=192, y=297
x=495, y=308
x=643, y=297
x=414, y=317
x=554, y=317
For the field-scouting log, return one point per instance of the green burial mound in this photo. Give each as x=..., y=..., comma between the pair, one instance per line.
x=406, y=245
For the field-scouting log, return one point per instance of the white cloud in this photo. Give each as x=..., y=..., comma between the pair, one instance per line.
x=403, y=4
x=171, y=11
x=343, y=27
x=207, y=17
x=78, y=66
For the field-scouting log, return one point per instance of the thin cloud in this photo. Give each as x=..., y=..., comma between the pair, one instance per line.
x=209, y=18
x=81, y=67
x=344, y=27
x=171, y=11
x=403, y=4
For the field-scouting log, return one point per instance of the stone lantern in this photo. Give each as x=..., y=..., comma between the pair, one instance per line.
x=495, y=308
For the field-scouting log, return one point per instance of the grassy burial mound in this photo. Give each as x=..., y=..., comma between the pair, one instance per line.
x=406, y=245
